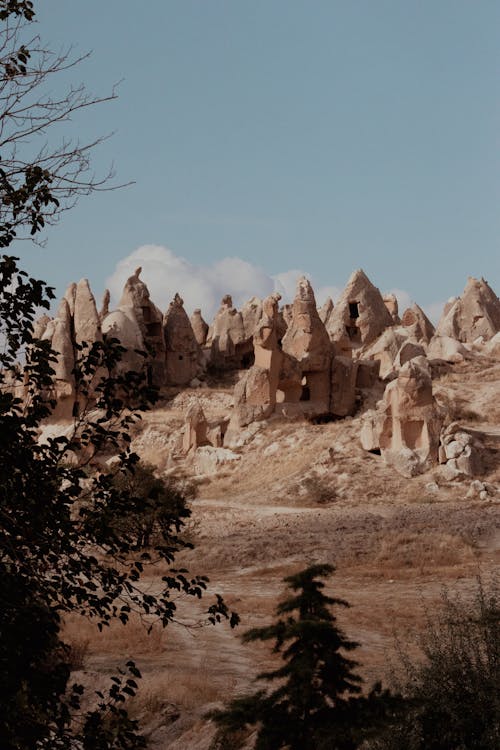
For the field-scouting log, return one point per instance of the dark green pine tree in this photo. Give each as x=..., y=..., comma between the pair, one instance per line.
x=318, y=701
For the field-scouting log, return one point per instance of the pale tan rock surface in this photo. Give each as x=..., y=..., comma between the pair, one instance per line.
x=251, y=313
x=391, y=303
x=230, y=347
x=325, y=311
x=195, y=427
x=407, y=424
x=418, y=324
x=447, y=349
x=385, y=350
x=360, y=312
x=136, y=307
x=86, y=322
x=199, y=326
x=183, y=353
x=343, y=386
x=307, y=342
x=476, y=313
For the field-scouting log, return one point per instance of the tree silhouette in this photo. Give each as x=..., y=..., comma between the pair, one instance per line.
x=318, y=701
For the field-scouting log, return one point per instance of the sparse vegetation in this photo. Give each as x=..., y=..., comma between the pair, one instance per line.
x=452, y=692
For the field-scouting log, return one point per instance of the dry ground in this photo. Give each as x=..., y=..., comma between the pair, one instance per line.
x=304, y=493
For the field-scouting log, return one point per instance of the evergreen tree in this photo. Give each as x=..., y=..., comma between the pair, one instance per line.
x=318, y=701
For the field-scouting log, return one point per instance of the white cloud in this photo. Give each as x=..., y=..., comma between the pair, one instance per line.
x=434, y=311
x=166, y=273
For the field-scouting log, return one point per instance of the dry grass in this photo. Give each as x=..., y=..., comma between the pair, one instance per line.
x=115, y=640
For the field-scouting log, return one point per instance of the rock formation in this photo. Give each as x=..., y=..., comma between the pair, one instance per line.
x=199, y=326
x=138, y=311
x=76, y=322
x=326, y=311
x=183, y=353
x=391, y=303
x=406, y=426
x=230, y=347
x=255, y=394
x=251, y=313
x=307, y=341
x=86, y=322
x=195, y=427
x=460, y=453
x=417, y=323
x=360, y=312
x=475, y=314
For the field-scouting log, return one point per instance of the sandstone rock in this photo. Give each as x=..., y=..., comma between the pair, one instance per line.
x=409, y=350
x=86, y=322
x=418, y=324
x=106, y=297
x=447, y=349
x=405, y=461
x=325, y=311
x=254, y=399
x=195, y=427
x=231, y=348
x=251, y=313
x=360, y=312
x=209, y=460
x=199, y=326
x=385, y=349
x=306, y=338
x=407, y=421
x=476, y=313
x=343, y=386
x=492, y=347
x=368, y=373
x=136, y=305
x=122, y=324
x=40, y=326
x=183, y=354
x=307, y=341
x=460, y=453
x=391, y=303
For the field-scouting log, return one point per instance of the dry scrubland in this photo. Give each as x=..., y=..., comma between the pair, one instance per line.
x=303, y=493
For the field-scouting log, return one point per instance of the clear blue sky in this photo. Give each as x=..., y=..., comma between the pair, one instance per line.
x=310, y=134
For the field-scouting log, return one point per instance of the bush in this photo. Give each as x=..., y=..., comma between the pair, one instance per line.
x=452, y=694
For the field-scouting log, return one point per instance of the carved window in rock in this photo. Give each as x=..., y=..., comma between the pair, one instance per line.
x=354, y=310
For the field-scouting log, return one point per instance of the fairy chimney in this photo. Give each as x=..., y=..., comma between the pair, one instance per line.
x=183, y=353
x=475, y=314
x=360, y=312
